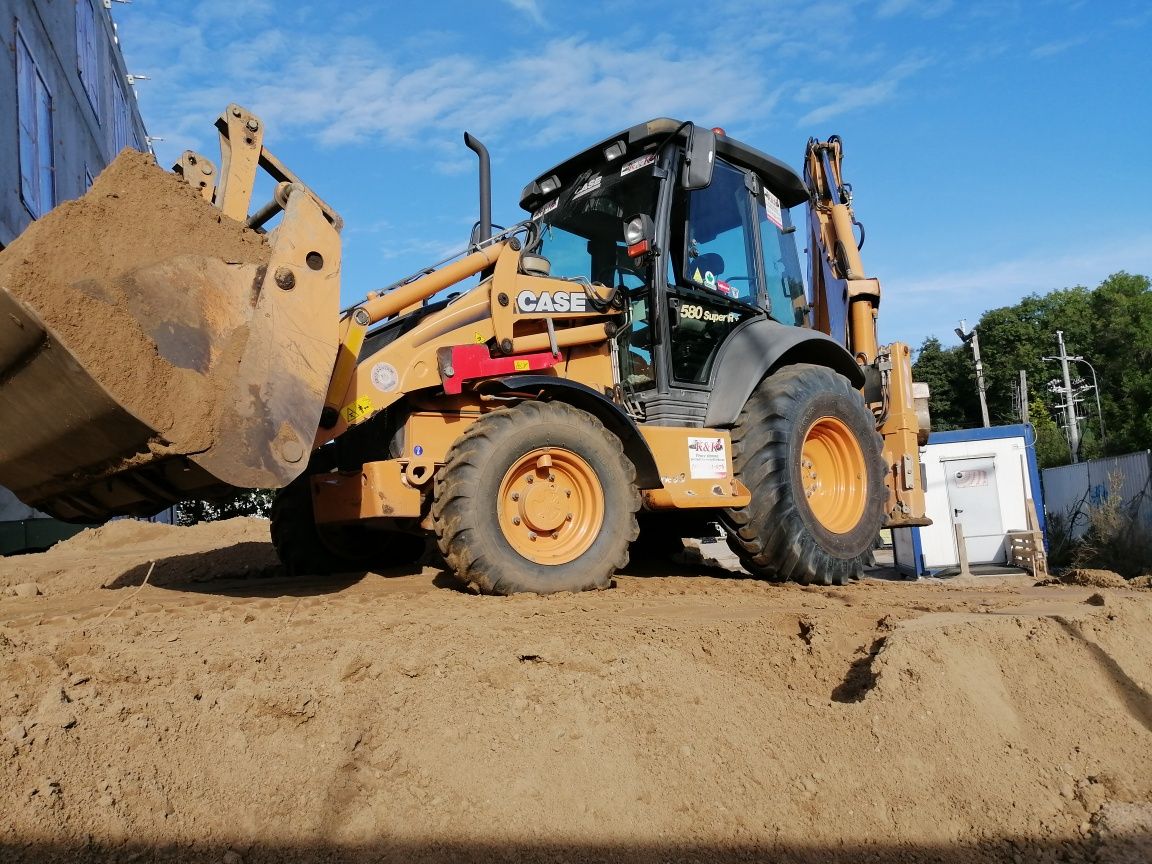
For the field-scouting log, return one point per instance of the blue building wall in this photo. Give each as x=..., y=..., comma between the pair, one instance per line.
x=89, y=120
x=86, y=132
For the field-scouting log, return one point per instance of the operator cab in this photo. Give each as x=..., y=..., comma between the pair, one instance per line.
x=693, y=229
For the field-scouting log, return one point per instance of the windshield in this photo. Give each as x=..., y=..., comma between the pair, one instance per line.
x=582, y=228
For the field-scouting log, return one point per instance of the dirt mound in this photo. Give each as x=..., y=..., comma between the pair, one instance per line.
x=1089, y=578
x=113, y=535
x=120, y=553
x=72, y=268
x=1142, y=583
x=137, y=534
x=676, y=717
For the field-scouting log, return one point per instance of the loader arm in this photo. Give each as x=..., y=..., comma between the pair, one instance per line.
x=844, y=303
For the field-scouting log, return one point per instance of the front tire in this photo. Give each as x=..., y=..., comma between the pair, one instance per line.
x=807, y=448
x=536, y=498
x=306, y=548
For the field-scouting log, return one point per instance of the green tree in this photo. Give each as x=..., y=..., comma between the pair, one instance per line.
x=1051, y=445
x=1109, y=326
x=1121, y=351
x=243, y=502
x=951, y=385
x=1014, y=338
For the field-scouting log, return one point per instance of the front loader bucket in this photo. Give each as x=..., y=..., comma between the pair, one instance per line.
x=151, y=349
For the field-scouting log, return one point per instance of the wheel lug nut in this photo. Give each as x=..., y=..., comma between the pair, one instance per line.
x=531, y=479
x=515, y=520
x=551, y=478
x=531, y=535
x=567, y=493
x=515, y=496
x=555, y=535
x=568, y=518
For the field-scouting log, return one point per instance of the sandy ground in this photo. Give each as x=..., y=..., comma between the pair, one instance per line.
x=223, y=712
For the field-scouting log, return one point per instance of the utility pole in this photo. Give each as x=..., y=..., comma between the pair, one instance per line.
x=1024, y=407
x=1069, y=401
x=969, y=337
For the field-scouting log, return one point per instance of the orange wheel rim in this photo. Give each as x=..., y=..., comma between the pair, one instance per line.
x=833, y=475
x=551, y=506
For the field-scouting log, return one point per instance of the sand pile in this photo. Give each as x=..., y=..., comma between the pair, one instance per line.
x=674, y=718
x=70, y=268
x=120, y=553
x=1090, y=578
x=113, y=535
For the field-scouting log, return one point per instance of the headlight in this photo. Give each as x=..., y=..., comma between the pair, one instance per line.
x=634, y=230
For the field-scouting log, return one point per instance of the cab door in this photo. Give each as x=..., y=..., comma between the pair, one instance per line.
x=714, y=281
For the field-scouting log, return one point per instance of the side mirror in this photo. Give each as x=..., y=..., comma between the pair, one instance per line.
x=699, y=158
x=477, y=236
x=482, y=233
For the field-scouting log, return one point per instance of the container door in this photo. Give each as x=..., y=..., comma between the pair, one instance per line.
x=975, y=504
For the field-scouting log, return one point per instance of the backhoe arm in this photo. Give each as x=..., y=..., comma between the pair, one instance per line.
x=844, y=303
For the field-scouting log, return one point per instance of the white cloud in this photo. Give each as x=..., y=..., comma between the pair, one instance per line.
x=1036, y=273
x=923, y=8
x=841, y=99
x=349, y=91
x=1051, y=49
x=529, y=7
x=350, y=88
x=917, y=305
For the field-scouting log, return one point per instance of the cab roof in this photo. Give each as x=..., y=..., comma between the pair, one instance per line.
x=784, y=182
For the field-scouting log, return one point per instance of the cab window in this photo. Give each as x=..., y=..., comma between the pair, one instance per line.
x=581, y=232
x=720, y=255
x=783, y=284
x=635, y=341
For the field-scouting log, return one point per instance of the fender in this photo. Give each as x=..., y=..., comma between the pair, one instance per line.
x=605, y=410
x=758, y=348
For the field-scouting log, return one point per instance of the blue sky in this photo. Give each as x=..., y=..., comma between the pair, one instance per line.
x=996, y=147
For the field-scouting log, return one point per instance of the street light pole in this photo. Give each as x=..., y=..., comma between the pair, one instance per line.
x=970, y=337
x=1096, y=388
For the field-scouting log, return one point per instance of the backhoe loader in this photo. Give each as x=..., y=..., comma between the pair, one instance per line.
x=641, y=345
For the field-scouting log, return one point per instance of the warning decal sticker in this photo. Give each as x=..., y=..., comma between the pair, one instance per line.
x=772, y=208
x=707, y=459
x=547, y=208
x=357, y=410
x=637, y=164
x=972, y=477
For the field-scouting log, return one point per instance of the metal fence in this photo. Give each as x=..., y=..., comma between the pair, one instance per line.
x=1070, y=490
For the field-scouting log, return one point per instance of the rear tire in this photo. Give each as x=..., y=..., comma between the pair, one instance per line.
x=807, y=448
x=536, y=498
x=306, y=548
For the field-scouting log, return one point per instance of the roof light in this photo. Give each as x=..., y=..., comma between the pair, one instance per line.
x=719, y=131
x=549, y=184
x=614, y=150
